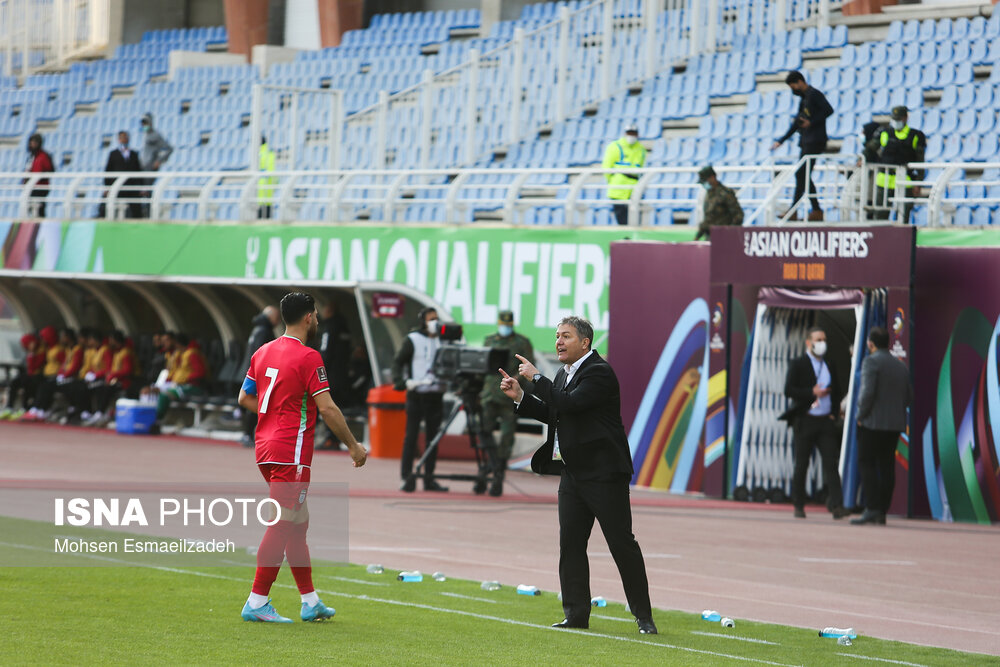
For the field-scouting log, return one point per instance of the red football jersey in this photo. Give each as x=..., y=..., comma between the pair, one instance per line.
x=288, y=374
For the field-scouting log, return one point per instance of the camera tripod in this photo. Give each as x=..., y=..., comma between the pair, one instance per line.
x=467, y=390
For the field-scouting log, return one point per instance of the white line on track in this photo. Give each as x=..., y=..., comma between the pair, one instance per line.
x=855, y=561
x=468, y=597
x=894, y=662
x=737, y=637
x=444, y=610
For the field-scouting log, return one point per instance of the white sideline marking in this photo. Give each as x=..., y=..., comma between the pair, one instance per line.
x=445, y=610
x=736, y=637
x=613, y=618
x=895, y=662
x=353, y=581
x=468, y=597
x=856, y=561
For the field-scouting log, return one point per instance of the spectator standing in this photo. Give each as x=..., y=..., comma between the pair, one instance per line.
x=39, y=161
x=262, y=333
x=884, y=396
x=810, y=123
x=623, y=153
x=898, y=145
x=123, y=158
x=155, y=151
x=265, y=184
x=721, y=205
x=496, y=405
x=335, y=348
x=412, y=370
x=814, y=392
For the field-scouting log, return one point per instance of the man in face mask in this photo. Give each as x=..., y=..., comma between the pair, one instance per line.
x=721, y=205
x=810, y=123
x=497, y=407
x=412, y=370
x=898, y=144
x=815, y=395
x=624, y=153
x=123, y=158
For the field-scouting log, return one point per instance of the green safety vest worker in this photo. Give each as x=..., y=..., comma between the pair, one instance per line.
x=621, y=154
x=899, y=145
x=265, y=184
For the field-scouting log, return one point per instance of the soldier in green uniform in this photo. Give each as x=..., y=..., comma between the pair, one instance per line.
x=496, y=405
x=721, y=205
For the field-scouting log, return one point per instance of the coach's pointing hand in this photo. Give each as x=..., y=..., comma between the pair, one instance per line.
x=510, y=386
x=527, y=369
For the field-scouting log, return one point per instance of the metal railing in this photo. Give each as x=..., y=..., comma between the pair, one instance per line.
x=847, y=190
x=37, y=34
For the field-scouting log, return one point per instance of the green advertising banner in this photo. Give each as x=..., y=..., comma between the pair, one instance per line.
x=542, y=274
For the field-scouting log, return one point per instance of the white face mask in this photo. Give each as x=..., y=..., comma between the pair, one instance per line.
x=897, y=124
x=631, y=139
x=432, y=326
x=819, y=348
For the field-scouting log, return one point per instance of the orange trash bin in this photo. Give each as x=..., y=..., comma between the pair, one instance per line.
x=386, y=421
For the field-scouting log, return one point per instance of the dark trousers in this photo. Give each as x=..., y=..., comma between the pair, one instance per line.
x=800, y=178
x=39, y=195
x=621, y=213
x=580, y=502
x=877, y=461
x=819, y=432
x=424, y=408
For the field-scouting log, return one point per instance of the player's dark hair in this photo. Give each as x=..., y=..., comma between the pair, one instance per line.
x=70, y=333
x=879, y=338
x=118, y=336
x=584, y=329
x=813, y=329
x=794, y=77
x=295, y=306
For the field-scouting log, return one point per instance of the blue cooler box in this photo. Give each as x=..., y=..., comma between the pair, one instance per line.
x=133, y=417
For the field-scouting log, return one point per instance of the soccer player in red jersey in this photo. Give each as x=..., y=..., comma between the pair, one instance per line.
x=287, y=386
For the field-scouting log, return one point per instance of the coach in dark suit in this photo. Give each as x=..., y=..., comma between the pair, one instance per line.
x=885, y=394
x=816, y=397
x=123, y=158
x=587, y=447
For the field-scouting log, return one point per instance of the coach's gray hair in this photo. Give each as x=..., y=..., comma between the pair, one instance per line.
x=584, y=329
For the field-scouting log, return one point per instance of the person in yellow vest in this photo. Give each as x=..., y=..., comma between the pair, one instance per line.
x=623, y=153
x=265, y=184
x=898, y=144
x=189, y=376
x=118, y=379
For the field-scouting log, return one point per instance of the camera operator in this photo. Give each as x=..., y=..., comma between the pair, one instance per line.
x=411, y=370
x=496, y=405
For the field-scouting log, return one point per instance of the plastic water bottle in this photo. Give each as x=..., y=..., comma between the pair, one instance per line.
x=410, y=576
x=375, y=568
x=844, y=640
x=524, y=589
x=598, y=602
x=838, y=632
x=711, y=615
x=727, y=623
x=490, y=585
x=439, y=576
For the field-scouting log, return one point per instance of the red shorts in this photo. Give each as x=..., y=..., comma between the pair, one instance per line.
x=287, y=484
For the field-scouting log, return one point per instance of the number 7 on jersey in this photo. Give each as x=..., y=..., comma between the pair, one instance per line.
x=272, y=375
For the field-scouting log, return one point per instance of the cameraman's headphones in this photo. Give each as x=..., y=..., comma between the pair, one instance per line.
x=422, y=315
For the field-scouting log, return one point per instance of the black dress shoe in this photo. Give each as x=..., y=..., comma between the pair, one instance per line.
x=431, y=485
x=800, y=513
x=869, y=516
x=409, y=485
x=566, y=624
x=646, y=626
x=840, y=512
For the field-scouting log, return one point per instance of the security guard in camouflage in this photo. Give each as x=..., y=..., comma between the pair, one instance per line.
x=721, y=205
x=496, y=405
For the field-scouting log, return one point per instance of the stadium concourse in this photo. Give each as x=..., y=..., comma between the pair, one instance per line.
x=914, y=581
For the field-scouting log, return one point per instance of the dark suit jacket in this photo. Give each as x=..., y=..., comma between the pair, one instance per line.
x=117, y=162
x=885, y=392
x=799, y=383
x=587, y=415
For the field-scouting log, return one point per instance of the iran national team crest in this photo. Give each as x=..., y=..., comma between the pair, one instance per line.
x=321, y=373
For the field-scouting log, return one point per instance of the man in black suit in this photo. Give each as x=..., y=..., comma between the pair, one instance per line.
x=816, y=397
x=587, y=447
x=123, y=158
x=885, y=394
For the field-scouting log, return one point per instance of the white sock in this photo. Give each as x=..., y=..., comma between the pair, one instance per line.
x=310, y=599
x=256, y=601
